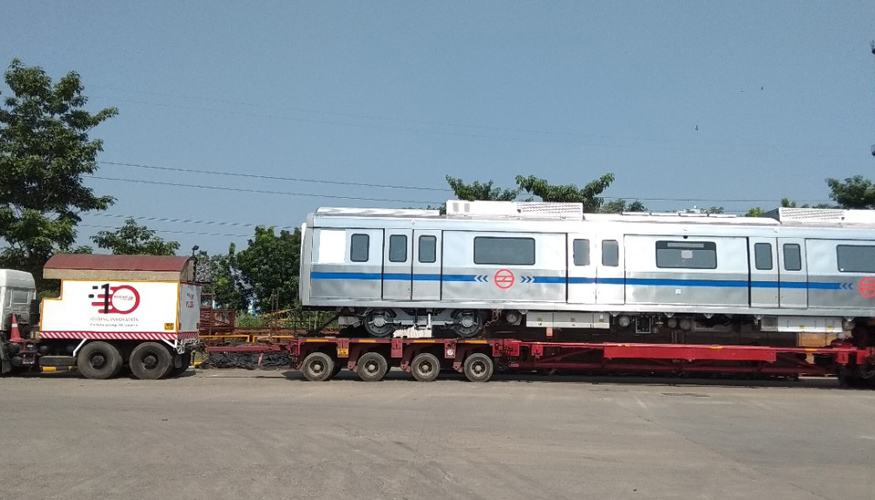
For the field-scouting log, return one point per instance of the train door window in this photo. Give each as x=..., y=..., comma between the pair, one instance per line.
x=762, y=256
x=686, y=254
x=856, y=258
x=359, y=248
x=398, y=248
x=580, y=248
x=495, y=251
x=610, y=253
x=427, y=249
x=792, y=257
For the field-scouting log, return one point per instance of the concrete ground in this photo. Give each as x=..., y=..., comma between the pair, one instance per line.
x=223, y=434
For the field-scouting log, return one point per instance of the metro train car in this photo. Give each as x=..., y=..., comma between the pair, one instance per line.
x=486, y=265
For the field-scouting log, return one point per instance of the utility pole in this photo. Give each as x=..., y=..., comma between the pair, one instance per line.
x=872, y=46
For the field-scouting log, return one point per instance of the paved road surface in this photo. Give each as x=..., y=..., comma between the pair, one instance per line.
x=233, y=434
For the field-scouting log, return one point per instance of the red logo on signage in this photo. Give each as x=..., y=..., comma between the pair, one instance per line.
x=122, y=299
x=504, y=279
x=867, y=287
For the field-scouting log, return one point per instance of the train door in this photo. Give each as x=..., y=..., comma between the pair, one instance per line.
x=792, y=273
x=427, y=261
x=581, y=269
x=610, y=270
x=398, y=264
x=763, y=262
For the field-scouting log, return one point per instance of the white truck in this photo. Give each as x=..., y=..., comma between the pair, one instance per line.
x=140, y=312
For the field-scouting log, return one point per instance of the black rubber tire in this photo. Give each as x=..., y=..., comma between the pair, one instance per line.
x=478, y=367
x=338, y=366
x=151, y=361
x=425, y=367
x=185, y=362
x=99, y=360
x=372, y=367
x=317, y=367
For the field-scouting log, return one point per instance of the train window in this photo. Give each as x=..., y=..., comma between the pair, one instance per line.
x=19, y=297
x=686, y=254
x=580, y=248
x=398, y=248
x=762, y=254
x=856, y=258
x=610, y=253
x=427, y=249
x=792, y=257
x=504, y=251
x=358, y=250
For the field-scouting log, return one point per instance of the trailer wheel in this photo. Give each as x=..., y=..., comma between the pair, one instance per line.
x=372, y=367
x=317, y=367
x=99, y=360
x=425, y=367
x=478, y=367
x=184, y=363
x=151, y=361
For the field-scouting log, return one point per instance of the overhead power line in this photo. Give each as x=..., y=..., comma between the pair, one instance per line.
x=189, y=221
x=271, y=177
x=170, y=231
x=264, y=191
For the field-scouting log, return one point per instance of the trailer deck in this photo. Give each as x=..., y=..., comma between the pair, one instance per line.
x=322, y=358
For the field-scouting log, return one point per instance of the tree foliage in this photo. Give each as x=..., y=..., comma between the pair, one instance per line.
x=134, y=239
x=475, y=191
x=620, y=206
x=44, y=152
x=569, y=193
x=269, y=266
x=854, y=192
x=220, y=278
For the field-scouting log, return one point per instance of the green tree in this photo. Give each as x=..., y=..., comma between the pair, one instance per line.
x=134, y=239
x=755, y=212
x=221, y=279
x=44, y=153
x=588, y=195
x=475, y=191
x=854, y=192
x=620, y=206
x=269, y=267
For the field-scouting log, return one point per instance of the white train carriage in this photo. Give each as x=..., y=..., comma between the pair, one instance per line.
x=548, y=264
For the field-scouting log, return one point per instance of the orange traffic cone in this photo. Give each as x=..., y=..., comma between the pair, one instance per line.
x=14, y=335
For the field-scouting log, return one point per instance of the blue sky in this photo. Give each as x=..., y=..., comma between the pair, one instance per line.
x=404, y=93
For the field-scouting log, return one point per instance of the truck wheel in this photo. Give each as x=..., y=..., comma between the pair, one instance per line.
x=184, y=363
x=372, y=367
x=478, y=367
x=317, y=367
x=425, y=367
x=151, y=361
x=99, y=360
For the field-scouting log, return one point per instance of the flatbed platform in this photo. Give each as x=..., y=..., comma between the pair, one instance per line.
x=321, y=358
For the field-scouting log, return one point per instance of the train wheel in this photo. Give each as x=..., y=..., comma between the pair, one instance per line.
x=467, y=323
x=372, y=367
x=317, y=367
x=379, y=323
x=184, y=363
x=425, y=367
x=151, y=361
x=99, y=360
x=478, y=367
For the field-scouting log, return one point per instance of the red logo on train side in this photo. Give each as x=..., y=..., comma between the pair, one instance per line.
x=504, y=278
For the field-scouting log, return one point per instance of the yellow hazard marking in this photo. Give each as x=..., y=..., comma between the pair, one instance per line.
x=421, y=341
x=474, y=341
x=49, y=369
x=370, y=341
x=342, y=352
x=317, y=340
x=168, y=326
x=716, y=347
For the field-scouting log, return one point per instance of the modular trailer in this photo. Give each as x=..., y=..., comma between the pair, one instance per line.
x=320, y=359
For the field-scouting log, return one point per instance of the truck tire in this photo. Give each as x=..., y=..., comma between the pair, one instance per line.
x=478, y=367
x=184, y=363
x=151, y=361
x=317, y=367
x=425, y=367
x=99, y=360
x=372, y=367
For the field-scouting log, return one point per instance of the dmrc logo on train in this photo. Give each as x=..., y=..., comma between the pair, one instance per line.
x=122, y=299
x=504, y=278
x=867, y=287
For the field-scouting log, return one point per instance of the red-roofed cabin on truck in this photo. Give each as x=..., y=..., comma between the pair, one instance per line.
x=117, y=310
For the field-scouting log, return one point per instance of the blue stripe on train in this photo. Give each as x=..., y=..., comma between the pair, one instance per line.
x=558, y=280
